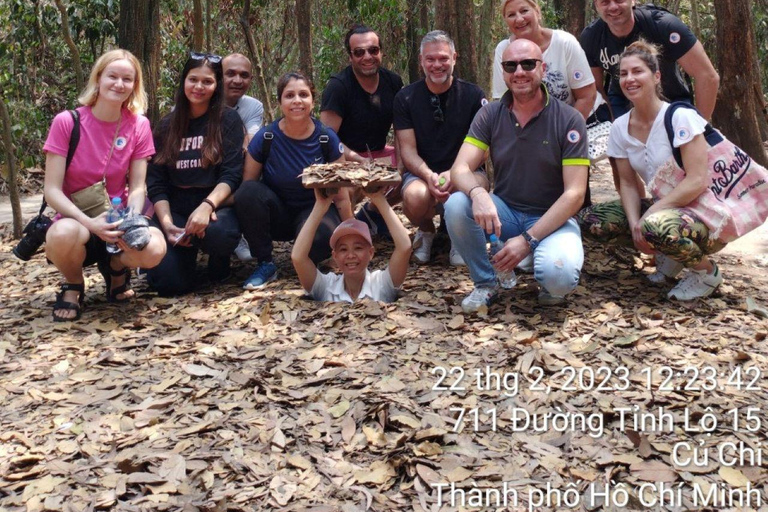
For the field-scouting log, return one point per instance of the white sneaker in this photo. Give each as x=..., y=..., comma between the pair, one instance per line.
x=422, y=246
x=242, y=251
x=666, y=268
x=526, y=264
x=696, y=284
x=455, y=258
x=480, y=296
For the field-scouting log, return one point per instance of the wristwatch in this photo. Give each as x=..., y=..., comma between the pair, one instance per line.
x=533, y=243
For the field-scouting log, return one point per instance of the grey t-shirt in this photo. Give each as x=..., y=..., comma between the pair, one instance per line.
x=528, y=161
x=251, y=111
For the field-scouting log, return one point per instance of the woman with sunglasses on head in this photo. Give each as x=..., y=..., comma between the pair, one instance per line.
x=272, y=204
x=198, y=166
x=114, y=144
x=641, y=146
x=568, y=76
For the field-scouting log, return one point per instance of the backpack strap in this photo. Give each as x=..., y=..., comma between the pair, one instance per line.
x=74, y=140
x=325, y=143
x=266, y=145
x=74, y=136
x=711, y=135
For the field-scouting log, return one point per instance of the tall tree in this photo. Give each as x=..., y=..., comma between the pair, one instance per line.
x=198, y=27
x=304, y=26
x=737, y=106
x=571, y=15
x=256, y=60
x=456, y=17
x=413, y=39
x=13, y=187
x=139, y=33
x=72, y=46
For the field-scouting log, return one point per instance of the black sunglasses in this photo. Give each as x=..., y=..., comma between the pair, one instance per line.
x=372, y=51
x=510, y=66
x=438, y=114
x=210, y=57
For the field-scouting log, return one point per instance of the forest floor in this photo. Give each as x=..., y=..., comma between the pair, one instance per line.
x=232, y=400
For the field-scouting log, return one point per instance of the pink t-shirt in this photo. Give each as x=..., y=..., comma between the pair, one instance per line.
x=133, y=142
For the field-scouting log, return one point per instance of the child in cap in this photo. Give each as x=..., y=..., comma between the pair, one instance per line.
x=352, y=252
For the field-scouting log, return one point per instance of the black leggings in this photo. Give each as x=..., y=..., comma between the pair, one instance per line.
x=264, y=217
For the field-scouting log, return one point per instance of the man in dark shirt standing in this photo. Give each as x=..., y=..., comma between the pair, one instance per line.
x=357, y=104
x=432, y=117
x=620, y=25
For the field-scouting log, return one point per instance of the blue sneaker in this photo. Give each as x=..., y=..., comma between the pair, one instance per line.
x=265, y=272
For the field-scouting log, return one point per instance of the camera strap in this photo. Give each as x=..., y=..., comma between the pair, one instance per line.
x=74, y=140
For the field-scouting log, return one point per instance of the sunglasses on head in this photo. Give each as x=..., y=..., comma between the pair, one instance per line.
x=210, y=57
x=510, y=66
x=439, y=116
x=372, y=51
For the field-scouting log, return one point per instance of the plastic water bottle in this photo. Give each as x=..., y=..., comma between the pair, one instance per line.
x=114, y=214
x=507, y=279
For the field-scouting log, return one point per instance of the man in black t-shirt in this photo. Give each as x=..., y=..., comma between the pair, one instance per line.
x=357, y=102
x=620, y=25
x=432, y=116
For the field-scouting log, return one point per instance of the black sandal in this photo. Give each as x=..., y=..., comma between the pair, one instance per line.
x=106, y=270
x=62, y=304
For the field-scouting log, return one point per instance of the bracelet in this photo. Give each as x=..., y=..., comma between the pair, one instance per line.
x=469, y=194
x=210, y=203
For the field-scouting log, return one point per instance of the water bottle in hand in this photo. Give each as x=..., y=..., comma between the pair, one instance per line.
x=114, y=214
x=507, y=278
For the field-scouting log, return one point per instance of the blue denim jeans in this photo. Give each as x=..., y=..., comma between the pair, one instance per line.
x=557, y=260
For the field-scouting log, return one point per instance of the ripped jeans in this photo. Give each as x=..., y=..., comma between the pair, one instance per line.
x=557, y=260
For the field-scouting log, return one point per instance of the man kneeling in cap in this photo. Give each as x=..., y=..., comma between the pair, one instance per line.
x=352, y=252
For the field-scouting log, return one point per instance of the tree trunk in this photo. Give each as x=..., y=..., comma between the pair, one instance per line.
x=13, y=187
x=258, y=69
x=456, y=17
x=139, y=33
x=72, y=46
x=488, y=11
x=413, y=39
x=737, y=108
x=304, y=28
x=208, y=37
x=198, y=27
x=571, y=15
x=695, y=26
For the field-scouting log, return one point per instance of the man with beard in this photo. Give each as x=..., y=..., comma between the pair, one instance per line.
x=538, y=146
x=621, y=24
x=357, y=104
x=432, y=117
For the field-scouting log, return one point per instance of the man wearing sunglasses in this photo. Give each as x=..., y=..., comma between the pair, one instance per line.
x=357, y=104
x=538, y=146
x=432, y=117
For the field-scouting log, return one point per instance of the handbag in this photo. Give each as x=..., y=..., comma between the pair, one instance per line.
x=93, y=200
x=736, y=200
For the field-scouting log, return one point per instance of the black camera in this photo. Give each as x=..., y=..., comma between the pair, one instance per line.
x=34, y=237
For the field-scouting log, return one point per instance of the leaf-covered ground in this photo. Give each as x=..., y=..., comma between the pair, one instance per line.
x=232, y=400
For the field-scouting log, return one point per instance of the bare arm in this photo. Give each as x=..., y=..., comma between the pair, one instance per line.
x=55, y=170
x=631, y=199
x=584, y=99
x=398, y=262
x=466, y=180
x=599, y=82
x=137, y=188
x=251, y=169
x=706, y=80
x=305, y=268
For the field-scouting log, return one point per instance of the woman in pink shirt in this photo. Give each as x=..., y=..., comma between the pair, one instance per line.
x=114, y=145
